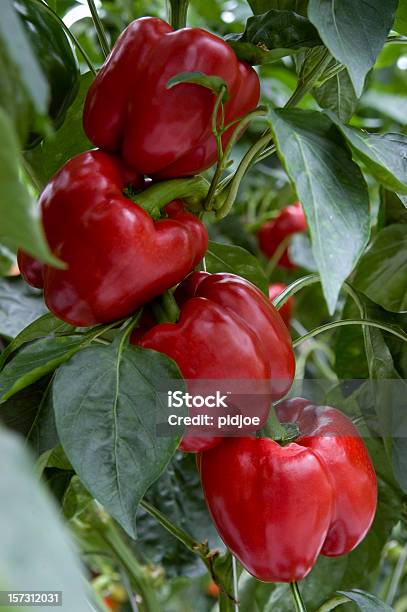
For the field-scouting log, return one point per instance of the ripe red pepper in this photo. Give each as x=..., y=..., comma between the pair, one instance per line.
x=227, y=331
x=290, y=220
x=118, y=258
x=332, y=435
x=160, y=131
x=317, y=495
x=286, y=309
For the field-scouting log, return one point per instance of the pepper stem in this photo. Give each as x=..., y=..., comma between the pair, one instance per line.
x=273, y=428
x=166, y=309
x=193, y=190
x=178, y=13
x=298, y=600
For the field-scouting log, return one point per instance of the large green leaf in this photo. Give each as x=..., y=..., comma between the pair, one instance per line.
x=385, y=155
x=36, y=550
x=20, y=306
x=273, y=35
x=235, y=260
x=338, y=95
x=107, y=407
x=261, y=6
x=381, y=273
x=331, y=189
x=19, y=220
x=47, y=325
x=354, y=32
x=47, y=158
x=35, y=360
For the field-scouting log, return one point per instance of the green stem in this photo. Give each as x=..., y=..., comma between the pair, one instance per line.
x=153, y=199
x=239, y=174
x=334, y=324
x=397, y=576
x=254, y=153
x=294, y=288
x=222, y=163
x=198, y=548
x=139, y=577
x=273, y=428
x=99, y=28
x=70, y=35
x=305, y=86
x=165, y=308
x=273, y=262
x=298, y=601
x=177, y=532
x=217, y=133
x=178, y=13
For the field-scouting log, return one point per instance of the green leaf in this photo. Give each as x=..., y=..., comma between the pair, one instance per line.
x=43, y=434
x=35, y=544
x=16, y=46
x=400, y=24
x=385, y=156
x=7, y=259
x=354, y=32
x=403, y=200
x=36, y=360
x=261, y=6
x=20, y=411
x=331, y=189
x=107, y=407
x=338, y=95
x=209, y=81
x=19, y=219
x=273, y=35
x=20, y=305
x=381, y=273
x=70, y=140
x=389, y=104
x=47, y=325
x=235, y=260
x=366, y=602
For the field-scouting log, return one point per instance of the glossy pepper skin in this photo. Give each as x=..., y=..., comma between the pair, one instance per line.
x=118, y=258
x=286, y=310
x=290, y=220
x=159, y=131
x=314, y=496
x=270, y=504
x=228, y=331
x=332, y=435
x=55, y=55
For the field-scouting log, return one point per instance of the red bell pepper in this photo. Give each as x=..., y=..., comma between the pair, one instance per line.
x=332, y=435
x=160, y=131
x=286, y=309
x=277, y=508
x=118, y=258
x=227, y=331
x=290, y=220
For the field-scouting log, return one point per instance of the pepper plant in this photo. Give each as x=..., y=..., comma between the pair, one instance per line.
x=204, y=196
